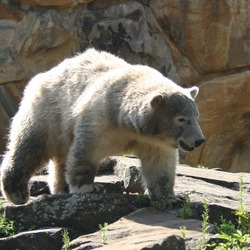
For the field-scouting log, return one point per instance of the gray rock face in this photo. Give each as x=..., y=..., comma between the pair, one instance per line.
x=131, y=176
x=82, y=213
x=45, y=239
x=143, y=229
x=129, y=30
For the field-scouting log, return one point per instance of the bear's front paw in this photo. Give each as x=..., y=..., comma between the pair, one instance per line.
x=17, y=196
x=167, y=202
x=88, y=188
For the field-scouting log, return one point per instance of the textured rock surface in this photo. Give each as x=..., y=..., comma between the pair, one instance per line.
x=130, y=174
x=225, y=119
x=192, y=42
x=81, y=212
x=45, y=239
x=220, y=189
x=213, y=35
x=145, y=228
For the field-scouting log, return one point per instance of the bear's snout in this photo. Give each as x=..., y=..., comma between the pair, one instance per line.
x=199, y=142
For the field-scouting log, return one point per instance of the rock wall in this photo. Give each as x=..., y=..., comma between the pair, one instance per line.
x=204, y=43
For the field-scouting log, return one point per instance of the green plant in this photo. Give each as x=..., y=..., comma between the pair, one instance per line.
x=243, y=217
x=164, y=202
x=66, y=239
x=205, y=217
x=201, y=166
x=235, y=241
x=186, y=208
x=140, y=199
x=226, y=226
x=183, y=231
x=7, y=227
x=235, y=237
x=129, y=155
x=161, y=204
x=33, y=227
x=104, y=232
x=205, y=226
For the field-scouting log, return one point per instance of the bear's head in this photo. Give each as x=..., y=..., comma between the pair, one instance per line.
x=176, y=118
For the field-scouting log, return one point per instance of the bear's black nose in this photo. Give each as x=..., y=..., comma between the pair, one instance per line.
x=199, y=142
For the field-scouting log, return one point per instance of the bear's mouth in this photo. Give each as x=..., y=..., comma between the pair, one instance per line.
x=185, y=146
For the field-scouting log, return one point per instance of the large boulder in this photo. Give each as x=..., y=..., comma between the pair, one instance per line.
x=81, y=213
x=44, y=239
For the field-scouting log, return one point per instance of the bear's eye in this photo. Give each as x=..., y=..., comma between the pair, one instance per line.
x=181, y=120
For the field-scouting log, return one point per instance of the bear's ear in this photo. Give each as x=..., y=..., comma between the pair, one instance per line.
x=194, y=91
x=156, y=101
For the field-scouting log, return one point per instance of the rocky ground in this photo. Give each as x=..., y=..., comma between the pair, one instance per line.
x=203, y=43
x=131, y=222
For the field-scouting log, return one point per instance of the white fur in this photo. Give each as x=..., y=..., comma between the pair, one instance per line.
x=92, y=106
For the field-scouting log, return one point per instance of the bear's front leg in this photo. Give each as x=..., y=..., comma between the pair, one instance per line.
x=26, y=155
x=159, y=175
x=82, y=165
x=14, y=186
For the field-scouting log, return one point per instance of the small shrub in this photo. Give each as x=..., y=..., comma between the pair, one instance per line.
x=235, y=241
x=183, y=231
x=164, y=202
x=185, y=211
x=226, y=226
x=243, y=217
x=161, y=204
x=201, y=166
x=66, y=239
x=104, y=232
x=141, y=199
x=205, y=226
x=7, y=227
x=235, y=237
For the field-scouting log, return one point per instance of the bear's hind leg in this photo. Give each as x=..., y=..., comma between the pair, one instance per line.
x=56, y=181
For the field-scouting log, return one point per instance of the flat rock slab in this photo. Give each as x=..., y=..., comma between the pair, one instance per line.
x=82, y=213
x=112, y=183
x=220, y=189
x=221, y=200
x=221, y=178
x=143, y=229
x=43, y=239
x=39, y=185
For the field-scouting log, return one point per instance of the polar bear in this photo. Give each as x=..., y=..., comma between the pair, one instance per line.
x=92, y=106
